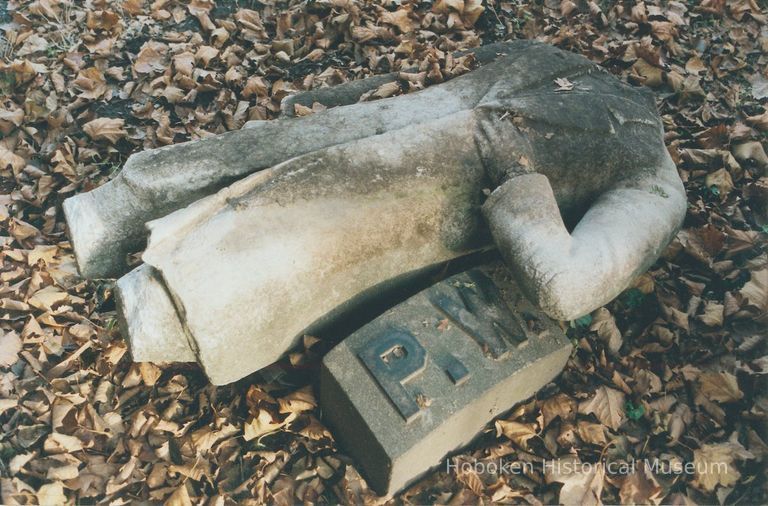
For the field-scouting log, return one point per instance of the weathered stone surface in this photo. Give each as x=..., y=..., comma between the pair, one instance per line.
x=145, y=312
x=107, y=223
x=362, y=194
x=275, y=252
x=424, y=378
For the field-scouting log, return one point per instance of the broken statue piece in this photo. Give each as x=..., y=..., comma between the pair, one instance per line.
x=107, y=224
x=143, y=310
x=356, y=196
x=425, y=377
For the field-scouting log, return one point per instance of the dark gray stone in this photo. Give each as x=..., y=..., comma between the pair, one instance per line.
x=425, y=377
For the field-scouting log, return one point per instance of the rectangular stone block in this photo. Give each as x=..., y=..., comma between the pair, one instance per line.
x=421, y=380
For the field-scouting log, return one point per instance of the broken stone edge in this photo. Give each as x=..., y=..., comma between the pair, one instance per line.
x=148, y=319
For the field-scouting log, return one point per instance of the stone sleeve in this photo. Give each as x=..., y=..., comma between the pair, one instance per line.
x=108, y=223
x=571, y=274
x=277, y=251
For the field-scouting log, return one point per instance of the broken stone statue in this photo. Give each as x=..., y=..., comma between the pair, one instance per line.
x=425, y=377
x=289, y=220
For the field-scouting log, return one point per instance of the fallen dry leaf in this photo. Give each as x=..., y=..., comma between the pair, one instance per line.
x=605, y=325
x=150, y=58
x=752, y=152
x=720, y=386
x=62, y=443
x=401, y=19
x=713, y=314
x=721, y=180
x=10, y=346
x=755, y=291
x=759, y=86
x=561, y=405
x=51, y=493
x=592, y=433
x=714, y=465
x=607, y=405
x=109, y=129
x=386, y=90
x=563, y=84
x=694, y=65
x=641, y=487
x=10, y=161
x=91, y=83
x=582, y=482
x=518, y=432
x=262, y=424
x=180, y=497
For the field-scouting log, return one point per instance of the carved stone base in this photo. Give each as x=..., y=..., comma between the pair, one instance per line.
x=424, y=378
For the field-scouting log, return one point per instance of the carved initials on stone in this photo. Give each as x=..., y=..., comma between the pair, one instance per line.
x=475, y=305
x=479, y=310
x=394, y=358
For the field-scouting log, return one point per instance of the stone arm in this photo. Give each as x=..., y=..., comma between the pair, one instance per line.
x=278, y=251
x=570, y=274
x=108, y=222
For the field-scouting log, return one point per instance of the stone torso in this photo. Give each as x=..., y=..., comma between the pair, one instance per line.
x=585, y=136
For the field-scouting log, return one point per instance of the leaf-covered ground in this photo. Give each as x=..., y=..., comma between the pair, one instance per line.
x=673, y=372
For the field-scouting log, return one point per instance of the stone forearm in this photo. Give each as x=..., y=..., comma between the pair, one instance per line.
x=569, y=275
x=102, y=228
x=145, y=311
